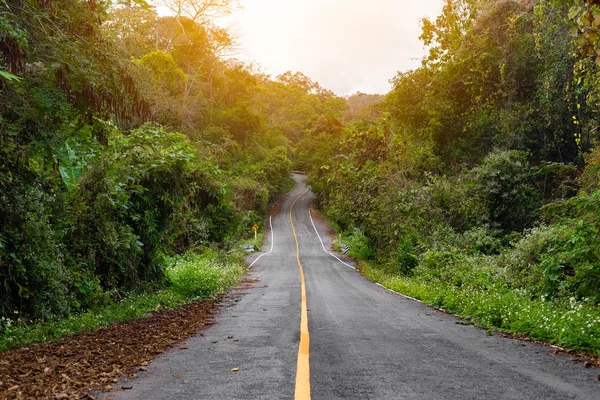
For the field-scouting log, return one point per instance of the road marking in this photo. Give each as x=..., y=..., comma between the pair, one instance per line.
x=402, y=295
x=348, y=265
x=302, y=391
x=323, y=245
x=272, y=243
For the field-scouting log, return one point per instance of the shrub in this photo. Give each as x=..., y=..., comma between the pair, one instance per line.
x=482, y=240
x=522, y=263
x=358, y=245
x=590, y=178
x=560, y=260
x=405, y=257
x=194, y=275
x=503, y=182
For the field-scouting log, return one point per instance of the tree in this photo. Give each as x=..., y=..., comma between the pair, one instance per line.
x=201, y=10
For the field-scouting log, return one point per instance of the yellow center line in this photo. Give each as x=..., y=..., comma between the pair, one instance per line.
x=303, y=367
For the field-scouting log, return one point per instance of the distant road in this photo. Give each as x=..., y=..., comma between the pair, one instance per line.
x=359, y=340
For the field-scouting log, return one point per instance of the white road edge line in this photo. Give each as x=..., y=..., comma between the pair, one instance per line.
x=405, y=296
x=323, y=245
x=348, y=265
x=272, y=243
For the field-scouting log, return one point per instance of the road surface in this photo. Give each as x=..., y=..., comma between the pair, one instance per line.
x=359, y=340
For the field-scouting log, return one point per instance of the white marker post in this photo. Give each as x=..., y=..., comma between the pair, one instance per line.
x=255, y=227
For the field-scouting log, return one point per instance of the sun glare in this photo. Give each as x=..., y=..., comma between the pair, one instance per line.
x=347, y=46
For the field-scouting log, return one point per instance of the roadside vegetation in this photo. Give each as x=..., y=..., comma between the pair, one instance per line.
x=474, y=184
x=135, y=155
x=191, y=277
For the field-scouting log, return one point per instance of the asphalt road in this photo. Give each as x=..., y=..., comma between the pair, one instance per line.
x=365, y=342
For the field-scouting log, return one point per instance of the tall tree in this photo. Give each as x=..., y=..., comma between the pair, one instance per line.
x=200, y=10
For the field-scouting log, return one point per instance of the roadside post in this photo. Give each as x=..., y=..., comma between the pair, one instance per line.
x=255, y=227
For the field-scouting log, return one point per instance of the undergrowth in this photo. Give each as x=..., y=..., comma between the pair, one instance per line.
x=506, y=291
x=565, y=322
x=191, y=277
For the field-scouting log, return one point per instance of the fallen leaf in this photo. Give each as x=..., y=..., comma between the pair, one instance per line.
x=176, y=376
x=235, y=369
x=126, y=387
x=27, y=374
x=95, y=360
x=183, y=348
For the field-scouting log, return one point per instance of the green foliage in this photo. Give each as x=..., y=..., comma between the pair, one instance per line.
x=405, y=258
x=194, y=275
x=96, y=188
x=590, y=176
x=358, y=245
x=8, y=76
x=482, y=240
x=503, y=182
x=70, y=168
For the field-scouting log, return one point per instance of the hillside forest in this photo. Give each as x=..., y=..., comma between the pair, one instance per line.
x=131, y=139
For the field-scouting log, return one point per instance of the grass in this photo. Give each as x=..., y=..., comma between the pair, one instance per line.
x=193, y=277
x=568, y=322
x=478, y=294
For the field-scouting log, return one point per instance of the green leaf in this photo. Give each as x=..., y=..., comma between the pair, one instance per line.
x=574, y=12
x=70, y=168
x=70, y=175
x=8, y=76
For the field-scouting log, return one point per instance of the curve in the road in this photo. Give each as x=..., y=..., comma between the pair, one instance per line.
x=365, y=342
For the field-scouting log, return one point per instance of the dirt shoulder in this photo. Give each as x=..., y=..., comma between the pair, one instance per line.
x=73, y=366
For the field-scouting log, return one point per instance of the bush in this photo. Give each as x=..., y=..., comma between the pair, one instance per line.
x=248, y=194
x=405, y=257
x=503, y=182
x=358, y=245
x=205, y=275
x=557, y=261
x=98, y=220
x=482, y=240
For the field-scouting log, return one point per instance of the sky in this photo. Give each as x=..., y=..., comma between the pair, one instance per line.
x=345, y=45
